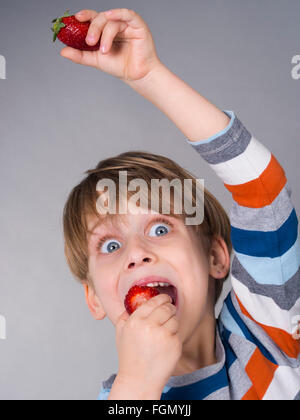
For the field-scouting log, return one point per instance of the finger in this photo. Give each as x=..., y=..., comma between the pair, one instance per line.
x=172, y=325
x=146, y=308
x=163, y=313
x=87, y=58
x=111, y=29
x=95, y=29
x=86, y=14
x=125, y=15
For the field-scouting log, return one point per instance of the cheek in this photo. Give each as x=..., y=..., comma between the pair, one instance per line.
x=187, y=256
x=101, y=275
x=192, y=267
x=104, y=278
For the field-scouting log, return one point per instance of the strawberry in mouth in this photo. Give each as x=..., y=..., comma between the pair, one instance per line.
x=137, y=295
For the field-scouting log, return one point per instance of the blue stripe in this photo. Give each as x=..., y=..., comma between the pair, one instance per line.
x=231, y=115
x=230, y=355
x=266, y=244
x=275, y=271
x=104, y=394
x=248, y=334
x=198, y=390
x=228, y=321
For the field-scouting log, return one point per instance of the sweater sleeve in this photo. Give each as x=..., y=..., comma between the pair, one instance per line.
x=104, y=394
x=106, y=387
x=265, y=271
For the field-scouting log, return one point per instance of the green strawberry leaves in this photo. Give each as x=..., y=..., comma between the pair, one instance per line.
x=56, y=28
x=58, y=24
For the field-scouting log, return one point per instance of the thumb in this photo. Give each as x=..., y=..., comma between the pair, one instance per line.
x=87, y=58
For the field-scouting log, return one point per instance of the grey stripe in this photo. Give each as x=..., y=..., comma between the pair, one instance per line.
x=242, y=348
x=228, y=146
x=297, y=397
x=240, y=382
x=221, y=394
x=109, y=382
x=285, y=295
x=268, y=218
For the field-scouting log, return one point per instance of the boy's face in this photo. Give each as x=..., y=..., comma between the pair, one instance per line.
x=141, y=246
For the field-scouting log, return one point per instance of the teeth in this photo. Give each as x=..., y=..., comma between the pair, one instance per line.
x=157, y=284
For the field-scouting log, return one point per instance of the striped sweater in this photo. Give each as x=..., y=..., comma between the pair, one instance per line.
x=257, y=334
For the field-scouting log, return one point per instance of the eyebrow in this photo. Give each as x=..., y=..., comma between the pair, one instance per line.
x=109, y=219
x=107, y=222
x=99, y=223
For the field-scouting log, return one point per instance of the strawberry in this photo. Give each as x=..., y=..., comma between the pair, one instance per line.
x=72, y=32
x=137, y=295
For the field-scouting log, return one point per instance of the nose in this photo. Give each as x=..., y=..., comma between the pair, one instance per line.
x=133, y=264
x=139, y=255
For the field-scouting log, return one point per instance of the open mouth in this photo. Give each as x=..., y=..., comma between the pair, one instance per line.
x=169, y=290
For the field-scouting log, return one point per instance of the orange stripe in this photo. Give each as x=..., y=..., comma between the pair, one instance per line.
x=261, y=191
x=284, y=341
x=250, y=394
x=261, y=372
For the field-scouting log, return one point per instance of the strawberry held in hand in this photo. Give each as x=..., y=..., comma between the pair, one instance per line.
x=72, y=32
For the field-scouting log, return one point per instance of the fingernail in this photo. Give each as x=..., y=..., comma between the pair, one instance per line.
x=109, y=12
x=90, y=38
x=103, y=48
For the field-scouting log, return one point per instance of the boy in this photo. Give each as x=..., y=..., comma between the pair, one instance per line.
x=180, y=351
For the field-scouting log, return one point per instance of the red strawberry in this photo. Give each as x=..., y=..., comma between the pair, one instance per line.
x=72, y=32
x=137, y=295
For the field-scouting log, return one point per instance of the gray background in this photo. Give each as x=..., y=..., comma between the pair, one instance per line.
x=59, y=119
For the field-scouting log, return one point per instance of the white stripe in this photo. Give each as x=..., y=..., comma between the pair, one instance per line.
x=246, y=167
x=264, y=310
x=285, y=384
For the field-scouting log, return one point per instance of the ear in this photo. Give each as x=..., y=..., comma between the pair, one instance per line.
x=93, y=302
x=219, y=259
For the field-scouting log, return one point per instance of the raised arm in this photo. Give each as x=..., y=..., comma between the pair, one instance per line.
x=195, y=116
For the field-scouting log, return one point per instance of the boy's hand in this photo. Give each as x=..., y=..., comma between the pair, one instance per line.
x=130, y=51
x=148, y=344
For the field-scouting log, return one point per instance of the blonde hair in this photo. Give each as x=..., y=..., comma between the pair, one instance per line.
x=82, y=199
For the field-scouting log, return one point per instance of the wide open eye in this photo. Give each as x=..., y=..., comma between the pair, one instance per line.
x=159, y=229
x=108, y=246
